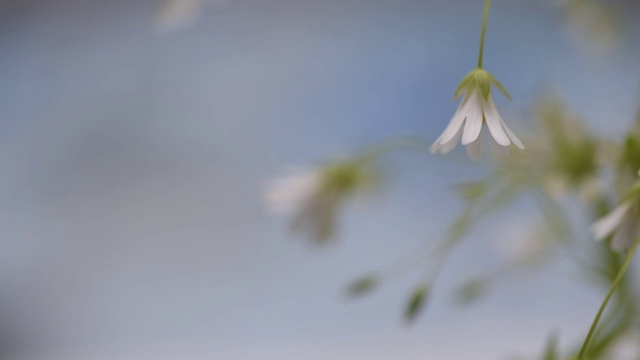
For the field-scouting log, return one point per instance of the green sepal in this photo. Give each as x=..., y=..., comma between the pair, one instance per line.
x=500, y=87
x=464, y=85
x=483, y=81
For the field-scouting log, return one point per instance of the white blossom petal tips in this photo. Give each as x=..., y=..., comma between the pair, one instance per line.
x=476, y=109
x=623, y=222
x=608, y=224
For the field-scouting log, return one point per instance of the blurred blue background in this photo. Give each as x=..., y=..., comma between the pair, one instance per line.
x=134, y=160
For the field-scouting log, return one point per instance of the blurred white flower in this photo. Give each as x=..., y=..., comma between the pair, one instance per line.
x=477, y=108
x=314, y=196
x=624, y=221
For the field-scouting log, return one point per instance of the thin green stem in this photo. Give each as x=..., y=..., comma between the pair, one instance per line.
x=487, y=4
x=614, y=286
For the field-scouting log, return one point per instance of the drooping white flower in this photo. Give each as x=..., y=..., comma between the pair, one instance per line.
x=476, y=109
x=623, y=222
x=313, y=197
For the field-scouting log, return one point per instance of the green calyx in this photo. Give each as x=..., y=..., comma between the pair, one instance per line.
x=481, y=79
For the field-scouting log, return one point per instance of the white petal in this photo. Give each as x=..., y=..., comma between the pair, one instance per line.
x=473, y=123
x=494, y=123
x=435, y=147
x=625, y=235
x=474, y=150
x=608, y=224
x=448, y=146
x=455, y=124
x=512, y=136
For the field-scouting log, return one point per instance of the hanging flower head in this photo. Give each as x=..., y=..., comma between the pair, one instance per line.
x=314, y=196
x=476, y=109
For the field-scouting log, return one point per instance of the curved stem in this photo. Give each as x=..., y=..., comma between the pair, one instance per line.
x=612, y=290
x=485, y=17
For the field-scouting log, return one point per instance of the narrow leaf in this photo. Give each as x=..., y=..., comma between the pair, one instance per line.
x=416, y=303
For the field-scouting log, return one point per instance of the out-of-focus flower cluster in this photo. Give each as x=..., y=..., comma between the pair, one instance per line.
x=565, y=166
x=563, y=161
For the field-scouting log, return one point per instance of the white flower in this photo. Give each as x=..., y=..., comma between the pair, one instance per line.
x=314, y=196
x=624, y=221
x=473, y=112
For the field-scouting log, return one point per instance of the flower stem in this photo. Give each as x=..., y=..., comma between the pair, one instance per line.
x=614, y=286
x=487, y=4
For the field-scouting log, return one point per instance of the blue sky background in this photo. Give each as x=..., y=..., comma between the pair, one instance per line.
x=134, y=162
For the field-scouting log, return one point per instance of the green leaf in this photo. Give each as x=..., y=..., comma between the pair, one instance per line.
x=500, y=87
x=362, y=286
x=416, y=303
